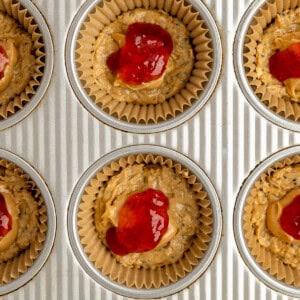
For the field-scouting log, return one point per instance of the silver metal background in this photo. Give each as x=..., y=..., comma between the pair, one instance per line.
x=60, y=139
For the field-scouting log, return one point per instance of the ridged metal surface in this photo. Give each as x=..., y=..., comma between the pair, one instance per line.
x=60, y=139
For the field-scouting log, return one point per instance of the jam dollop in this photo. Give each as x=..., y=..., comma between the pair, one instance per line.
x=143, y=220
x=3, y=61
x=290, y=218
x=144, y=55
x=5, y=218
x=286, y=64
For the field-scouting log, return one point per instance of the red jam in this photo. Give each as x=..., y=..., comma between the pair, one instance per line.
x=5, y=218
x=144, y=55
x=290, y=218
x=143, y=220
x=286, y=64
x=3, y=61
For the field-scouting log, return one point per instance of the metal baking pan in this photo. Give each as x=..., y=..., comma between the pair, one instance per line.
x=226, y=138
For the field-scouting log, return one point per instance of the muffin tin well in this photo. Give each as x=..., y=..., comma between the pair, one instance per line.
x=90, y=267
x=82, y=19
x=24, y=11
x=245, y=251
x=31, y=267
x=244, y=48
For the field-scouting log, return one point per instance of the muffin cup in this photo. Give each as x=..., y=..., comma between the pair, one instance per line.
x=259, y=15
x=27, y=15
x=264, y=264
x=20, y=269
x=136, y=117
x=141, y=282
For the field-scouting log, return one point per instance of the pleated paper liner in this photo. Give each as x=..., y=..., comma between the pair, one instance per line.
x=267, y=260
x=19, y=264
x=141, y=277
x=22, y=16
x=264, y=17
x=106, y=13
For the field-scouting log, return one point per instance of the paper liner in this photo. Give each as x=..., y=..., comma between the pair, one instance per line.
x=266, y=259
x=134, y=276
x=23, y=17
x=284, y=107
x=106, y=13
x=18, y=265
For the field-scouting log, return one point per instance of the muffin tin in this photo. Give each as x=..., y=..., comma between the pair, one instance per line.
x=221, y=135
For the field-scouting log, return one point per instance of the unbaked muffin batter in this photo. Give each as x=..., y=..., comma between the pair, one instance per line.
x=283, y=32
x=24, y=211
x=178, y=68
x=17, y=43
x=183, y=212
x=268, y=189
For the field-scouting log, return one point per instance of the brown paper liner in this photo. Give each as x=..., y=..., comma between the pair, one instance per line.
x=139, y=113
x=284, y=107
x=142, y=277
x=23, y=17
x=267, y=260
x=18, y=265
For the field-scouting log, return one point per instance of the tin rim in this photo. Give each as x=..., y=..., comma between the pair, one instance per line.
x=241, y=242
x=35, y=99
x=51, y=224
x=89, y=267
x=114, y=122
x=238, y=62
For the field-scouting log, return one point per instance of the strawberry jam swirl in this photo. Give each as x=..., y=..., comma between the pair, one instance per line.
x=144, y=55
x=5, y=218
x=3, y=61
x=143, y=220
x=290, y=218
x=286, y=64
